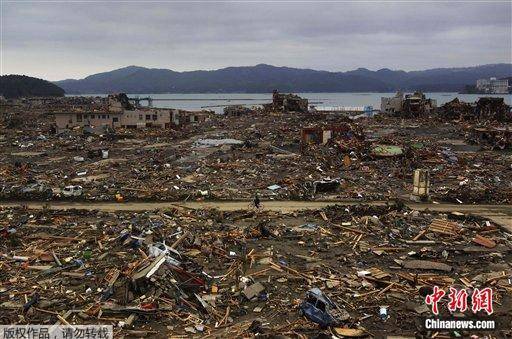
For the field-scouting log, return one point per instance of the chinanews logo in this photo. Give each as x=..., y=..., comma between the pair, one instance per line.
x=481, y=300
x=480, y=306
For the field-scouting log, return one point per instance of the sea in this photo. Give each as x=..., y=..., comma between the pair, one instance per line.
x=216, y=102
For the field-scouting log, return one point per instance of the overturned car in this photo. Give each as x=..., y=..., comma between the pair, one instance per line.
x=318, y=308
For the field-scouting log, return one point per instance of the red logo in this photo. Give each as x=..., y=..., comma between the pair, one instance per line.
x=458, y=300
x=434, y=298
x=481, y=300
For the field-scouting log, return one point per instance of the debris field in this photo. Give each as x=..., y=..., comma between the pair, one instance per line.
x=276, y=155
x=207, y=273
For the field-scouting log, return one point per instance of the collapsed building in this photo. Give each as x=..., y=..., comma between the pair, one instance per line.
x=237, y=110
x=118, y=111
x=456, y=109
x=486, y=109
x=413, y=105
x=393, y=104
x=287, y=102
x=491, y=108
x=417, y=104
x=488, y=115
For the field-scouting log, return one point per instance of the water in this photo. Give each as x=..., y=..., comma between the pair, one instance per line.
x=218, y=101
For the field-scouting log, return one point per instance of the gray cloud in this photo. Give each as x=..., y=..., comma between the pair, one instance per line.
x=58, y=40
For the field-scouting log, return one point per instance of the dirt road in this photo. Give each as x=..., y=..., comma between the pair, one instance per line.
x=501, y=214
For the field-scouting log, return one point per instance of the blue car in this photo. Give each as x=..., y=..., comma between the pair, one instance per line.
x=318, y=308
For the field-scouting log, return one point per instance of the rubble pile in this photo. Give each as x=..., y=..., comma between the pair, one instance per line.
x=493, y=109
x=237, y=110
x=456, y=110
x=487, y=121
x=486, y=110
x=232, y=274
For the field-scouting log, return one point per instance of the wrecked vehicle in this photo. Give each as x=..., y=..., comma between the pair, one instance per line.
x=326, y=185
x=318, y=308
x=37, y=190
x=72, y=191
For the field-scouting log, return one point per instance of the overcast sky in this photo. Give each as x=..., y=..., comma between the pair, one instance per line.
x=59, y=40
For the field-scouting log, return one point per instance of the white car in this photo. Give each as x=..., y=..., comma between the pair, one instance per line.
x=72, y=191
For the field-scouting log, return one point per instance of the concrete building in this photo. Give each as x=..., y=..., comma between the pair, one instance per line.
x=393, y=104
x=410, y=104
x=287, y=102
x=416, y=104
x=492, y=86
x=117, y=111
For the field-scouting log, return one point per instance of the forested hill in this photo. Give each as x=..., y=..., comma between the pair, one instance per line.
x=264, y=78
x=15, y=86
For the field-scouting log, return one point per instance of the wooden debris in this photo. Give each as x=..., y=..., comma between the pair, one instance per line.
x=350, y=332
x=377, y=273
x=486, y=242
x=426, y=265
x=444, y=227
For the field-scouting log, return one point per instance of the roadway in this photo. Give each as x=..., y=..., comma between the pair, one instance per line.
x=500, y=214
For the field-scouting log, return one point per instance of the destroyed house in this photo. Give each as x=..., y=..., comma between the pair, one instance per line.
x=182, y=117
x=456, y=109
x=237, y=110
x=498, y=138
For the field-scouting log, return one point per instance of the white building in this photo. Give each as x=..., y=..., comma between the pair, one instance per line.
x=492, y=86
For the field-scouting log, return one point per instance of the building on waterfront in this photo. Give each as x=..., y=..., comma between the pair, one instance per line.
x=411, y=104
x=492, y=86
x=393, y=104
x=118, y=111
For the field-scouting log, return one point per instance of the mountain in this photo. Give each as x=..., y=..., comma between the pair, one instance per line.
x=14, y=86
x=265, y=78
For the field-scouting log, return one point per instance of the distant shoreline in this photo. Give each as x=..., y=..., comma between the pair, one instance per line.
x=270, y=93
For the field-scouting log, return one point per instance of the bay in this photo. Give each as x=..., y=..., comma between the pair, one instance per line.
x=217, y=101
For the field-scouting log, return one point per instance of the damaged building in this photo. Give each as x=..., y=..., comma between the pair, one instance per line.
x=414, y=105
x=456, y=109
x=237, y=110
x=486, y=109
x=491, y=108
x=118, y=111
x=287, y=102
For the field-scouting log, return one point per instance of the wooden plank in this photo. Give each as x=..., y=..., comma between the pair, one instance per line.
x=486, y=242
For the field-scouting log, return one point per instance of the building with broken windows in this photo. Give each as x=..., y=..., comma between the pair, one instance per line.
x=287, y=102
x=414, y=104
x=393, y=104
x=118, y=111
x=492, y=86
